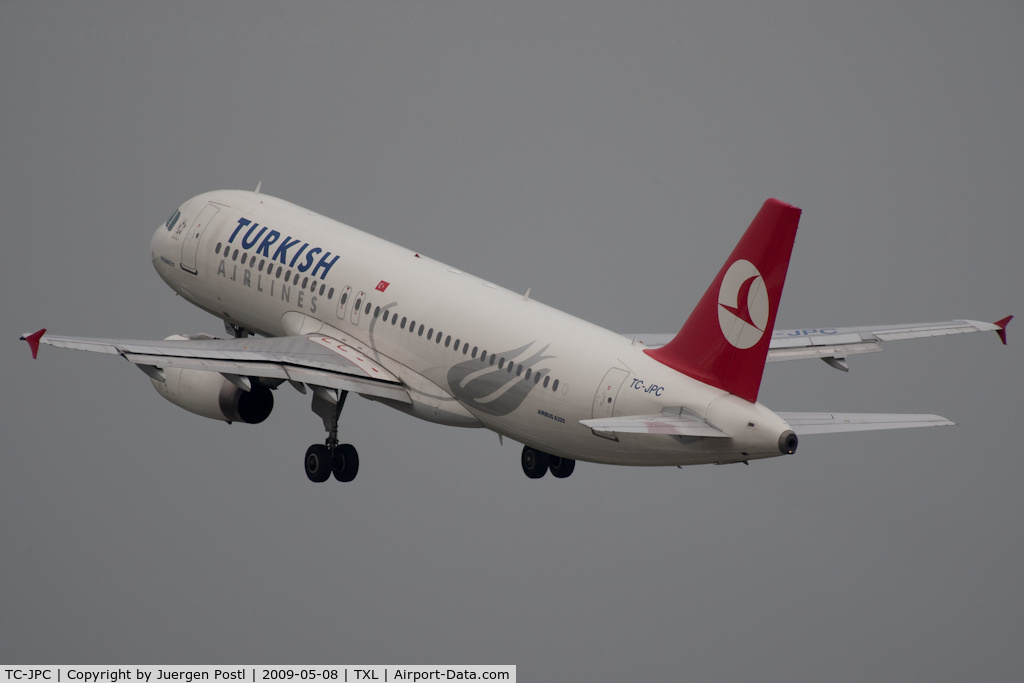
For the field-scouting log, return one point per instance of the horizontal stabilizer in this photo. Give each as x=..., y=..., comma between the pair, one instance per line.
x=828, y=423
x=672, y=421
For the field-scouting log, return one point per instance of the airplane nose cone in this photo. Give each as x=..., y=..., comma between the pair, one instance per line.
x=156, y=243
x=160, y=242
x=164, y=248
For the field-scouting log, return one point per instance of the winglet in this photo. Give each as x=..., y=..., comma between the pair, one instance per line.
x=1001, y=324
x=33, y=341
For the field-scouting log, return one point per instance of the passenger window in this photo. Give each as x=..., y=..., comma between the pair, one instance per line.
x=404, y=319
x=430, y=333
x=448, y=341
x=385, y=316
x=547, y=378
x=368, y=307
x=554, y=387
x=216, y=250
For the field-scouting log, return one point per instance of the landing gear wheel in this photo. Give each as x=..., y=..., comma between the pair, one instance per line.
x=561, y=467
x=318, y=462
x=535, y=463
x=346, y=462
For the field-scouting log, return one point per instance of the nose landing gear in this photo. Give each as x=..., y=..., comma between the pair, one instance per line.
x=339, y=459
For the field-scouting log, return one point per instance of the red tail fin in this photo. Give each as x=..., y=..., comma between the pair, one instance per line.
x=725, y=340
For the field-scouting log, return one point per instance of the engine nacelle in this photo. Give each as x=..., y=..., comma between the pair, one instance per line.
x=211, y=395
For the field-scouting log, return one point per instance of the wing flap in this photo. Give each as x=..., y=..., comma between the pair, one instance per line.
x=828, y=351
x=829, y=423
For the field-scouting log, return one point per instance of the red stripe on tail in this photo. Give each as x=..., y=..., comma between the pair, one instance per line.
x=725, y=340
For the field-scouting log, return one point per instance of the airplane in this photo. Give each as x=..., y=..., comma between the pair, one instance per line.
x=331, y=310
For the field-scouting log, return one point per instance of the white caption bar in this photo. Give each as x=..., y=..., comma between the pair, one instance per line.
x=255, y=674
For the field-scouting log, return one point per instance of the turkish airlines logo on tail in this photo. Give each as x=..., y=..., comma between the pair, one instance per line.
x=743, y=305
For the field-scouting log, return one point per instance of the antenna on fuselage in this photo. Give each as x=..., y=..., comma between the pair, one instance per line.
x=258, y=186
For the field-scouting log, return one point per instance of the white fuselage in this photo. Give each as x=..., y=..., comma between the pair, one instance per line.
x=470, y=353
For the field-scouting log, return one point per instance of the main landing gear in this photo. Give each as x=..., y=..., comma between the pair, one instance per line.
x=536, y=464
x=339, y=459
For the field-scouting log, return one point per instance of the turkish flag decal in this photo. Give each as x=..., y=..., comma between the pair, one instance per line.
x=382, y=285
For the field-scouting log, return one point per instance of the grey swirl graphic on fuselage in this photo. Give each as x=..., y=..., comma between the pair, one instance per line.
x=488, y=388
x=373, y=324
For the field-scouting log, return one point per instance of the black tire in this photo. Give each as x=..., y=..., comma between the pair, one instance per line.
x=561, y=467
x=535, y=463
x=346, y=462
x=318, y=462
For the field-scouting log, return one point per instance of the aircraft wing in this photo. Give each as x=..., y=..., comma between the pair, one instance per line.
x=314, y=359
x=834, y=344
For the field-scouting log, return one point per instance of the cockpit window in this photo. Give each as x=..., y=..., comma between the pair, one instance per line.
x=172, y=220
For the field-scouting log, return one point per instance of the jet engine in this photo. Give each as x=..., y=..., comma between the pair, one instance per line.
x=212, y=395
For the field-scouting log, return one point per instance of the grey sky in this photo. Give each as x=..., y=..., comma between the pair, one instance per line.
x=607, y=156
